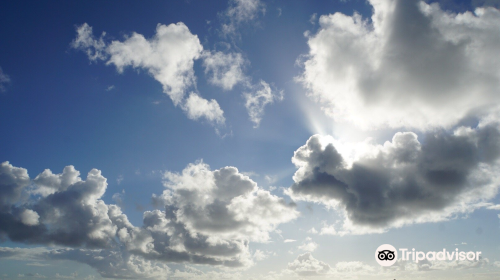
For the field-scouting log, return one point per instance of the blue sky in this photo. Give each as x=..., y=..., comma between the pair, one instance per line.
x=248, y=139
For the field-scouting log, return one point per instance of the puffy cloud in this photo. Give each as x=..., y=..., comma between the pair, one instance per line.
x=202, y=197
x=13, y=180
x=4, y=79
x=403, y=181
x=48, y=183
x=69, y=210
x=225, y=69
x=257, y=98
x=29, y=217
x=197, y=107
x=239, y=12
x=169, y=57
x=210, y=217
x=399, y=68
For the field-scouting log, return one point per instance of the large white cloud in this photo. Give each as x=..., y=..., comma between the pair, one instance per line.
x=223, y=204
x=67, y=210
x=209, y=217
x=412, y=64
x=168, y=56
x=403, y=181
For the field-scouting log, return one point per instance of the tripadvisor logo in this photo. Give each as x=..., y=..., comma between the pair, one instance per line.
x=387, y=255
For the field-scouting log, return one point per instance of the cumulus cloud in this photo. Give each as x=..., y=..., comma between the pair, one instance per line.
x=168, y=56
x=240, y=12
x=203, y=196
x=411, y=65
x=13, y=181
x=209, y=217
x=402, y=181
x=4, y=79
x=257, y=98
x=68, y=210
x=29, y=217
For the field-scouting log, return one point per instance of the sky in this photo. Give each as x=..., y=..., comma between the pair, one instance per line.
x=248, y=139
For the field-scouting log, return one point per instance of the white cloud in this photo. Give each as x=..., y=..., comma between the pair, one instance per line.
x=197, y=107
x=309, y=246
x=13, y=180
x=313, y=18
x=4, y=79
x=225, y=69
x=307, y=265
x=412, y=65
x=169, y=57
x=289, y=240
x=313, y=231
x=209, y=218
x=30, y=217
x=260, y=255
x=85, y=40
x=257, y=98
x=249, y=212
x=240, y=12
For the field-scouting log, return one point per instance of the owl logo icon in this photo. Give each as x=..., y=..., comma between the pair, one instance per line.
x=386, y=255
